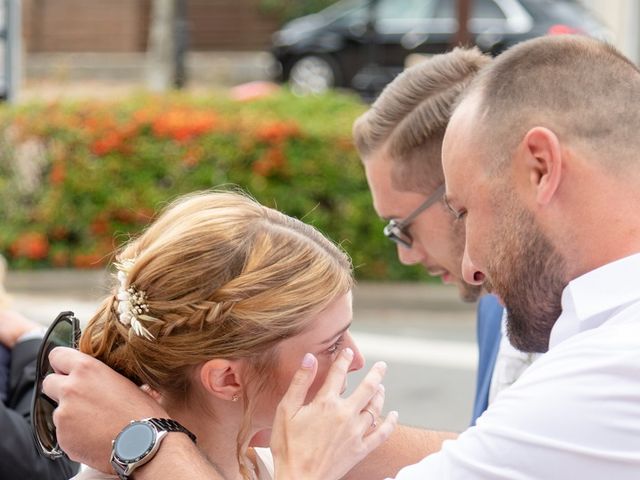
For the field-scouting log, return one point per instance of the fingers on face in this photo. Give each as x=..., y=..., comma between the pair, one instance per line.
x=303, y=379
x=337, y=374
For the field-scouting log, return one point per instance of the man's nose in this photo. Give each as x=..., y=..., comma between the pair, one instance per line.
x=411, y=255
x=470, y=273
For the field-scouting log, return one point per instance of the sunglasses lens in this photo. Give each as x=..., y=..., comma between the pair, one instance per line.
x=62, y=333
x=43, y=424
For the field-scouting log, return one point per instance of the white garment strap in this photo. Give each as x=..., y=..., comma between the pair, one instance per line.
x=264, y=462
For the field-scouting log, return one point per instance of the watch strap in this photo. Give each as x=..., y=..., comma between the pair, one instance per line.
x=170, y=425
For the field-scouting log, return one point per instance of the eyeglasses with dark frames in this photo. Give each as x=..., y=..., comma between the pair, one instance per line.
x=396, y=230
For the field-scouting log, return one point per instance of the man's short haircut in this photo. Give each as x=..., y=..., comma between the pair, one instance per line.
x=582, y=89
x=411, y=114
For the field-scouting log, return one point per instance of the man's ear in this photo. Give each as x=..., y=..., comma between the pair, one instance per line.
x=542, y=159
x=222, y=378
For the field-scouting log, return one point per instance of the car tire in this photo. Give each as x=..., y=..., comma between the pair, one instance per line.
x=313, y=74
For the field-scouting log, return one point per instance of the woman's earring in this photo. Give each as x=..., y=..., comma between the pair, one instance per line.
x=235, y=397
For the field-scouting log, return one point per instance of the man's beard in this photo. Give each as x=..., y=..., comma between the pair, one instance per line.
x=528, y=274
x=469, y=293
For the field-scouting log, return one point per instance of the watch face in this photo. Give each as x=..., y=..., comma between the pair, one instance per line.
x=134, y=442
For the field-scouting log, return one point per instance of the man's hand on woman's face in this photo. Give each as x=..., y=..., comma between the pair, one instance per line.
x=324, y=439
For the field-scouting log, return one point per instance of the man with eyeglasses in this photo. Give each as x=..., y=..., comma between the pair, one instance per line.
x=399, y=140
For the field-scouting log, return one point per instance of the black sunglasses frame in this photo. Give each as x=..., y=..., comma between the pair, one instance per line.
x=396, y=230
x=42, y=406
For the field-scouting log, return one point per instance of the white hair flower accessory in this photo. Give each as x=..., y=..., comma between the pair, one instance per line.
x=132, y=303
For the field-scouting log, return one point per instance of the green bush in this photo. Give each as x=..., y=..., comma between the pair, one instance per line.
x=77, y=178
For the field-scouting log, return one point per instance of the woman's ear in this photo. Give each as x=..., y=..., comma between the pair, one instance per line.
x=222, y=378
x=542, y=160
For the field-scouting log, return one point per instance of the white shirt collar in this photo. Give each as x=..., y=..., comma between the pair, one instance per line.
x=589, y=300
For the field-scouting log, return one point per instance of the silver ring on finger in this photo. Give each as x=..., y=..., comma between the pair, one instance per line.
x=374, y=423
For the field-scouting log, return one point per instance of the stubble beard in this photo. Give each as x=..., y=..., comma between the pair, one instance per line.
x=529, y=275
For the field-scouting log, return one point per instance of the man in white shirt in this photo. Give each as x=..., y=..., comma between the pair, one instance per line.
x=542, y=167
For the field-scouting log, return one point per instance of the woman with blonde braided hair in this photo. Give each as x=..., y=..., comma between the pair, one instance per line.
x=214, y=307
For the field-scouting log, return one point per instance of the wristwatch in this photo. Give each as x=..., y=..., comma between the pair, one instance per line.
x=139, y=441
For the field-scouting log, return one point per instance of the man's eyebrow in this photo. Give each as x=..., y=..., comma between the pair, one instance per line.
x=337, y=334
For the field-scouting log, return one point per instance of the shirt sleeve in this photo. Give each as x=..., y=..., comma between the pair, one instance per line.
x=575, y=413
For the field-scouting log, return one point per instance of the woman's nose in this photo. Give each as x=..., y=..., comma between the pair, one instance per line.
x=358, y=359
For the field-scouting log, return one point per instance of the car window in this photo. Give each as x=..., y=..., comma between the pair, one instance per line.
x=479, y=9
x=403, y=9
x=486, y=9
x=355, y=16
x=341, y=8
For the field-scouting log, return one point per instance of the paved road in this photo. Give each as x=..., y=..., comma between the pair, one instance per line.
x=423, y=332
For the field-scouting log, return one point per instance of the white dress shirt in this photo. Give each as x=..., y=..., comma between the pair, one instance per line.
x=574, y=413
x=510, y=363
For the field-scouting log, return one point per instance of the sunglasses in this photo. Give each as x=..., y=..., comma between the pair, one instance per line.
x=397, y=230
x=63, y=332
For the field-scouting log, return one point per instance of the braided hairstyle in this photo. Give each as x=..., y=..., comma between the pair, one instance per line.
x=223, y=277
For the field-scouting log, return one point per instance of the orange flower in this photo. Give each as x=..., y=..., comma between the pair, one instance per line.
x=192, y=156
x=183, y=125
x=277, y=131
x=31, y=245
x=130, y=216
x=272, y=161
x=108, y=143
x=57, y=174
x=88, y=260
x=99, y=226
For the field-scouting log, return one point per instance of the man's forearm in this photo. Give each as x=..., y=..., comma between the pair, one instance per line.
x=178, y=459
x=406, y=446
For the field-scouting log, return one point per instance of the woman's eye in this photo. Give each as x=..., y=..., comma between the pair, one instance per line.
x=335, y=347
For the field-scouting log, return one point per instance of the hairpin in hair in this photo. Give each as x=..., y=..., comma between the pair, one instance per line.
x=132, y=303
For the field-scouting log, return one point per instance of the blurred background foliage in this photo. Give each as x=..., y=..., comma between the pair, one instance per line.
x=78, y=178
x=285, y=10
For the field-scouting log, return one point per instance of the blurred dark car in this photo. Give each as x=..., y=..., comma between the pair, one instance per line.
x=363, y=44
